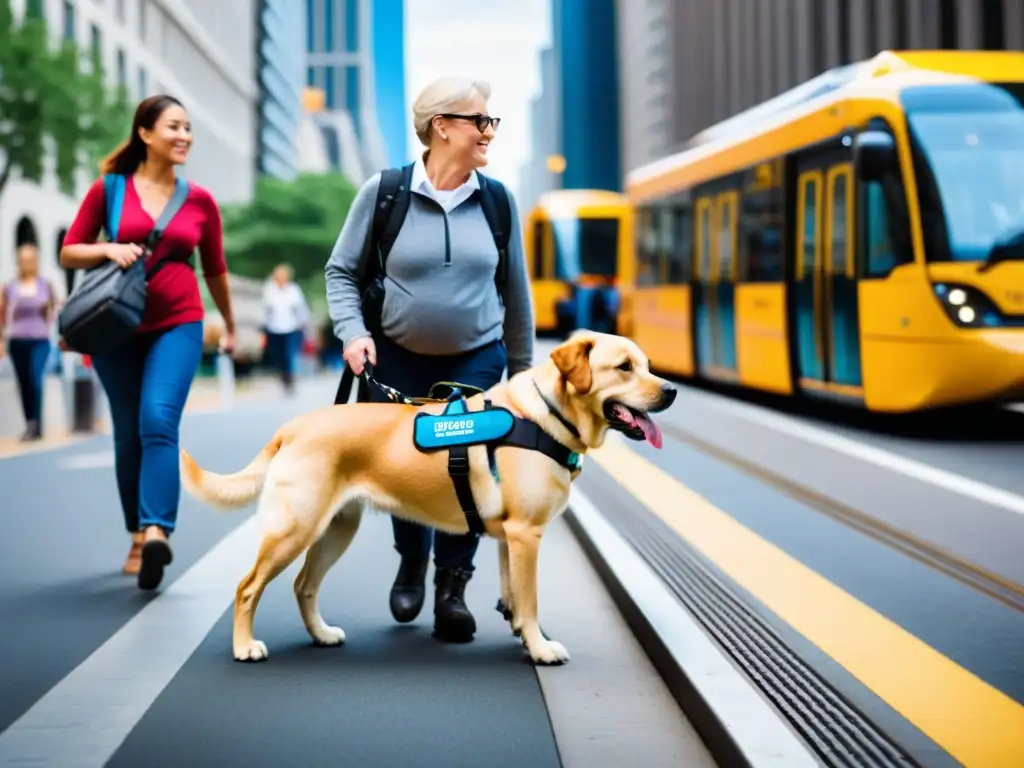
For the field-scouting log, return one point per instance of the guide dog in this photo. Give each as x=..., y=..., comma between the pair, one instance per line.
x=321, y=469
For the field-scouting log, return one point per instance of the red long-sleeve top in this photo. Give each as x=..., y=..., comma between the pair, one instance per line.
x=173, y=292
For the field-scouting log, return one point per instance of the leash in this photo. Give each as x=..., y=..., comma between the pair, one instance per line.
x=456, y=390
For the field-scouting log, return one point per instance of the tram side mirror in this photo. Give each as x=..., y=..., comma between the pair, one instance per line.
x=874, y=153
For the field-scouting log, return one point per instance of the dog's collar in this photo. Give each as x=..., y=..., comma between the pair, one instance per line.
x=553, y=409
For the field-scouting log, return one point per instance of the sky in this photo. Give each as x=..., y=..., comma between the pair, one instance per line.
x=494, y=40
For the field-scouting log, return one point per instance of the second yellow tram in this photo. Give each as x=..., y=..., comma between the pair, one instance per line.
x=578, y=244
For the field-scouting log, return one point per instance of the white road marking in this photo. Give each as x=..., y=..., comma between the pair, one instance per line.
x=950, y=481
x=757, y=729
x=94, y=460
x=83, y=719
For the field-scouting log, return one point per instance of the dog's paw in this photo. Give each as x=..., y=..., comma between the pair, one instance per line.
x=256, y=650
x=549, y=652
x=328, y=635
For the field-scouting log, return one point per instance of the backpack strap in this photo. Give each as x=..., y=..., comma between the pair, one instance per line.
x=389, y=213
x=498, y=212
x=113, y=198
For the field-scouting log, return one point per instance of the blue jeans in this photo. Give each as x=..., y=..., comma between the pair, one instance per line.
x=29, y=357
x=147, y=383
x=282, y=350
x=413, y=375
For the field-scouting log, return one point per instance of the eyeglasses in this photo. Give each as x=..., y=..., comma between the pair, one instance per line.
x=481, y=121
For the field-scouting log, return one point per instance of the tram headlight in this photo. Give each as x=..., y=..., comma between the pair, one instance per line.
x=968, y=307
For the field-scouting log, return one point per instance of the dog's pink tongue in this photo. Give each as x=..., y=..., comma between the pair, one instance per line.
x=651, y=430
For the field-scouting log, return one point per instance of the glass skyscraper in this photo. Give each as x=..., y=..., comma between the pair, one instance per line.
x=355, y=54
x=280, y=57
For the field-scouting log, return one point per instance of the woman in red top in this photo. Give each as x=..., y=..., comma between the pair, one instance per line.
x=147, y=380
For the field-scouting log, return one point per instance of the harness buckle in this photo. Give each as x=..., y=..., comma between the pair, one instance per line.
x=458, y=465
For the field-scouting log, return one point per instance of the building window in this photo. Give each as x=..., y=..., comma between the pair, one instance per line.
x=122, y=69
x=330, y=89
x=143, y=18
x=351, y=25
x=328, y=25
x=69, y=20
x=120, y=11
x=34, y=9
x=97, y=42
x=310, y=30
x=143, y=85
x=352, y=96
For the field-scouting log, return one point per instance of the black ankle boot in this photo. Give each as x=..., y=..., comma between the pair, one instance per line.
x=453, y=622
x=409, y=590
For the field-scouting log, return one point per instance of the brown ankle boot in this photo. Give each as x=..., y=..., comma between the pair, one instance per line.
x=131, y=565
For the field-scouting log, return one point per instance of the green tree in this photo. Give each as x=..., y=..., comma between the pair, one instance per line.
x=26, y=75
x=288, y=221
x=55, y=93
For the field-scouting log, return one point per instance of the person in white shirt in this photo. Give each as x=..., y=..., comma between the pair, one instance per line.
x=285, y=315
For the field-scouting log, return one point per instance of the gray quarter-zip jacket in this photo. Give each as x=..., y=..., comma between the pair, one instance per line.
x=440, y=297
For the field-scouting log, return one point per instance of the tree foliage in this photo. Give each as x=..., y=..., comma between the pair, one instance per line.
x=288, y=221
x=56, y=93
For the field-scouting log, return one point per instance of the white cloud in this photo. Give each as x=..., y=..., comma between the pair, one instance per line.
x=498, y=41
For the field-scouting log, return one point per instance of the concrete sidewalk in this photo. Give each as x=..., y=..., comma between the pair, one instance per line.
x=205, y=395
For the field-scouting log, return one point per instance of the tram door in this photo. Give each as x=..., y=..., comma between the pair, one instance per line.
x=825, y=291
x=715, y=309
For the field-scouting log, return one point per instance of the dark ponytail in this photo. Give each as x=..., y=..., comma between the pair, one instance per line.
x=131, y=153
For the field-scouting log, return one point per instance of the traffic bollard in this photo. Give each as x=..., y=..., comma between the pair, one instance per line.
x=83, y=398
x=225, y=380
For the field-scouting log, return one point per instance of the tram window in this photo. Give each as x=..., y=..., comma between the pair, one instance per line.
x=810, y=214
x=705, y=242
x=761, y=222
x=726, y=227
x=839, y=224
x=646, y=247
x=681, y=258
x=666, y=245
x=538, y=250
x=878, y=246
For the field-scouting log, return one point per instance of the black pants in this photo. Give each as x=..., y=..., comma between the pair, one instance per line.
x=413, y=375
x=29, y=358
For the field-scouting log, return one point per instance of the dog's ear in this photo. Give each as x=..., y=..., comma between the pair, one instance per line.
x=573, y=361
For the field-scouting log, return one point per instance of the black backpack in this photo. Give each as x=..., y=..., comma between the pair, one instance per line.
x=392, y=204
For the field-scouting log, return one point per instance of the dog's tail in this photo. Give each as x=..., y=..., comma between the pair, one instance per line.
x=228, y=491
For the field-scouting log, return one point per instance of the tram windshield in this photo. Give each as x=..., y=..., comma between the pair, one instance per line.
x=969, y=161
x=586, y=246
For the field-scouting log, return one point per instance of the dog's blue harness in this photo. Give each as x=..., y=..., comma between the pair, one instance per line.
x=458, y=428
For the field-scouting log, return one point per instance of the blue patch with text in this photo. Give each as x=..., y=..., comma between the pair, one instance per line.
x=457, y=426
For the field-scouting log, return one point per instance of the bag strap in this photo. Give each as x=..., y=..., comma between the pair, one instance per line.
x=498, y=212
x=175, y=204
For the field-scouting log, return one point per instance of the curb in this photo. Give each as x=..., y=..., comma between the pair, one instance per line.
x=737, y=724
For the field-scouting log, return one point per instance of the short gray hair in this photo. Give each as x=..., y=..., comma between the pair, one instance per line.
x=441, y=96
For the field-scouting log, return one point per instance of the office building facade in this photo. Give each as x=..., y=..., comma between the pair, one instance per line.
x=198, y=51
x=280, y=74
x=686, y=66
x=356, y=57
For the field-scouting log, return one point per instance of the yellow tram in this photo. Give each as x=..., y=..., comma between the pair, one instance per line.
x=575, y=238
x=860, y=238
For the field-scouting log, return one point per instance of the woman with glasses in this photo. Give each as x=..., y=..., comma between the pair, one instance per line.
x=444, y=316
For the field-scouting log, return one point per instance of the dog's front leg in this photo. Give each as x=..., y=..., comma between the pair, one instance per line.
x=505, y=603
x=524, y=549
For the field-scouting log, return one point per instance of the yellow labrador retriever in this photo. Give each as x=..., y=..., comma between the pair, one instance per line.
x=319, y=470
